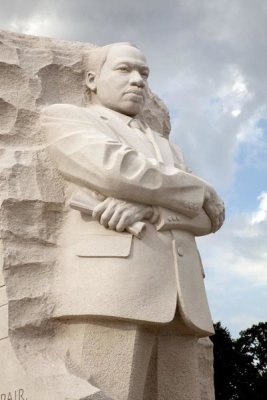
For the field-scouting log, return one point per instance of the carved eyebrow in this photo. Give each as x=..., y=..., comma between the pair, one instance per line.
x=142, y=67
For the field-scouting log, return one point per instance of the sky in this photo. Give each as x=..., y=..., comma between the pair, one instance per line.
x=208, y=61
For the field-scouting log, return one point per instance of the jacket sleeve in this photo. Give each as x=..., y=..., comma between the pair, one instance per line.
x=88, y=156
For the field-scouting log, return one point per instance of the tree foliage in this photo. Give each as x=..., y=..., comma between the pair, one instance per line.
x=240, y=366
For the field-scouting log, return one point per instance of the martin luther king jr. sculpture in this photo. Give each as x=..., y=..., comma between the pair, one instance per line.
x=129, y=270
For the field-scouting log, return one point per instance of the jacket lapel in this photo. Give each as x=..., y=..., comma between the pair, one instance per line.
x=125, y=133
x=162, y=148
x=151, y=144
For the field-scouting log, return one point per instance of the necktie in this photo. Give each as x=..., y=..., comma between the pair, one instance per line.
x=137, y=124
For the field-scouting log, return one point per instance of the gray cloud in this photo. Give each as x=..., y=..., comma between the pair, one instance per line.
x=235, y=261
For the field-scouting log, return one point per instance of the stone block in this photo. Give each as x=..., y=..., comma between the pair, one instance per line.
x=3, y=296
x=3, y=322
x=2, y=280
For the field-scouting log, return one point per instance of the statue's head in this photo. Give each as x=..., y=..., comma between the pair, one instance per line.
x=116, y=77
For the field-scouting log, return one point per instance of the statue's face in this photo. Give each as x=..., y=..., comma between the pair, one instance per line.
x=121, y=84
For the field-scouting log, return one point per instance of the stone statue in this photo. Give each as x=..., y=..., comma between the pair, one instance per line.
x=129, y=288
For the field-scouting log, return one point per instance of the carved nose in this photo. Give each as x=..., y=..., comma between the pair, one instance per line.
x=137, y=79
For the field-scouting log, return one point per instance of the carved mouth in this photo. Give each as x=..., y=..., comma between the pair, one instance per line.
x=136, y=92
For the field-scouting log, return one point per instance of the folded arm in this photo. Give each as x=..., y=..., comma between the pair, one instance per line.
x=87, y=156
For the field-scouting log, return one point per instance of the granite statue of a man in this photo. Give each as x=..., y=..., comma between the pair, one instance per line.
x=129, y=271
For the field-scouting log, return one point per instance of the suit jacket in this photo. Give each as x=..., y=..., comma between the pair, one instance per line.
x=105, y=273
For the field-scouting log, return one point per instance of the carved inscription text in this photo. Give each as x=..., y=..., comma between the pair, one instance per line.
x=17, y=394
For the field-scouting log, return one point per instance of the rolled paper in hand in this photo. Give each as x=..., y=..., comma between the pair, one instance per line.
x=85, y=201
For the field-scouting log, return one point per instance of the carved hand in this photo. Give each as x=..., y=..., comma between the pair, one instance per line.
x=119, y=215
x=214, y=207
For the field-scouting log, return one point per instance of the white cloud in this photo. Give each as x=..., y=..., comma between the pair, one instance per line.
x=239, y=251
x=235, y=260
x=236, y=112
x=32, y=17
x=243, y=321
x=261, y=214
x=234, y=93
x=36, y=25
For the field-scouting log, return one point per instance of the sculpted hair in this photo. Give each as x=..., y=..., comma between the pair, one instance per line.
x=94, y=59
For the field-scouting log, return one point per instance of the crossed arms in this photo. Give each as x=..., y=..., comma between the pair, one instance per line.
x=130, y=182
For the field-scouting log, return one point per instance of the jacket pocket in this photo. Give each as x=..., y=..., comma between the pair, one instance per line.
x=99, y=245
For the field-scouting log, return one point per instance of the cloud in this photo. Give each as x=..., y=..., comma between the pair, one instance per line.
x=243, y=321
x=239, y=249
x=235, y=260
x=31, y=17
x=261, y=214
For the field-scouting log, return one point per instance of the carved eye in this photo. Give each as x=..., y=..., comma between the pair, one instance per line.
x=144, y=74
x=123, y=68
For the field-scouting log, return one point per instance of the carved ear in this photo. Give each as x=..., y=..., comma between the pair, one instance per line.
x=90, y=80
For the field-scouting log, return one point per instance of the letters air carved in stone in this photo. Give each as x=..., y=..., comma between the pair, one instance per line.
x=18, y=394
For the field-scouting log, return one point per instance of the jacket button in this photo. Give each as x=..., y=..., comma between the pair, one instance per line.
x=177, y=218
x=180, y=251
x=170, y=218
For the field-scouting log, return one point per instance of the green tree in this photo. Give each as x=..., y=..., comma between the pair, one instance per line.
x=240, y=366
x=252, y=346
x=224, y=364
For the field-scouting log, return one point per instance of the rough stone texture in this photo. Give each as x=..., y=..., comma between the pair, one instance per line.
x=205, y=361
x=35, y=72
